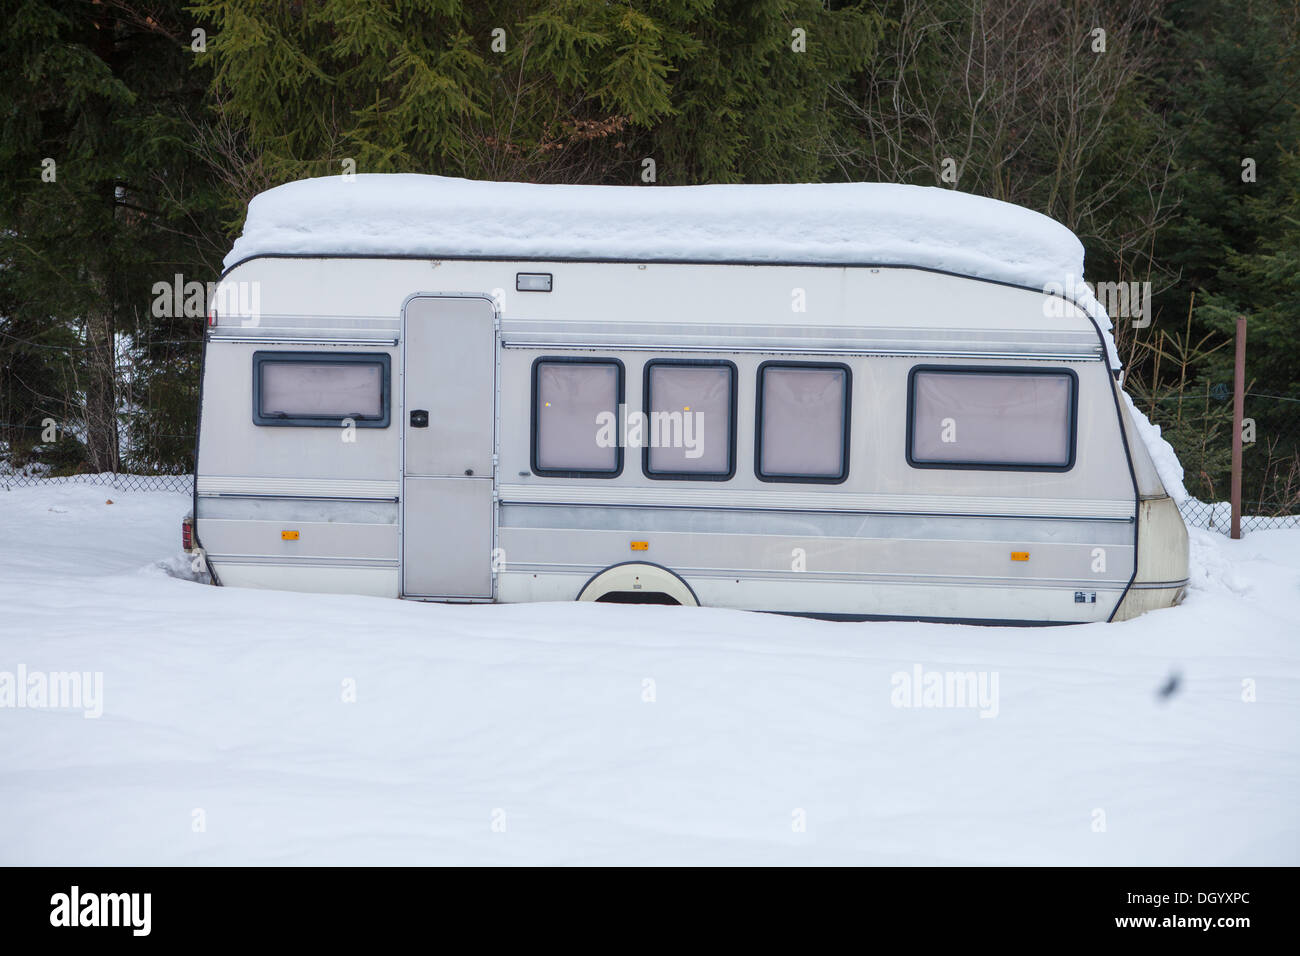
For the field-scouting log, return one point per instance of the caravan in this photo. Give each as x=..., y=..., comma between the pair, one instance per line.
x=854, y=401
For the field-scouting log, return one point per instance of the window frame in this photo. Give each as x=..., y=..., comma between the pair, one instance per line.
x=733, y=411
x=847, y=425
x=1073, y=408
x=620, y=400
x=382, y=359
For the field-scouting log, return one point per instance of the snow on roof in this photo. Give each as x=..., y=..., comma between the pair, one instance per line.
x=813, y=223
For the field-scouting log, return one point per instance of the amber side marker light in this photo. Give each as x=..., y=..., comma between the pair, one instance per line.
x=1019, y=555
x=288, y=535
x=640, y=545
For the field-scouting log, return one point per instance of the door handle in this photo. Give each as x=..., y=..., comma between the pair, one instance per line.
x=420, y=418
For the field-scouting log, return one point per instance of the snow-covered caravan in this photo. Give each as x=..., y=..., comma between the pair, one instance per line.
x=849, y=400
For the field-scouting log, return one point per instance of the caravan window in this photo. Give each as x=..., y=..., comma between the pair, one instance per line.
x=1001, y=419
x=576, y=430
x=690, y=420
x=321, y=389
x=802, y=427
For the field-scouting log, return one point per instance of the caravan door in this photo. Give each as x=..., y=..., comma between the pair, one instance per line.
x=449, y=420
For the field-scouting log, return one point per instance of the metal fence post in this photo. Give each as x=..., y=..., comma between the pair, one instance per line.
x=1238, y=410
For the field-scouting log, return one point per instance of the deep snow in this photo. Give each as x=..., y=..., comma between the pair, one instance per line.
x=850, y=223
x=229, y=702
x=410, y=214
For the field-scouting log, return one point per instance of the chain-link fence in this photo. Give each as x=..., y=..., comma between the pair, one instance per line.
x=32, y=477
x=119, y=412
x=1199, y=426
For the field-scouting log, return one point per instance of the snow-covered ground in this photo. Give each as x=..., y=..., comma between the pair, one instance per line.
x=593, y=733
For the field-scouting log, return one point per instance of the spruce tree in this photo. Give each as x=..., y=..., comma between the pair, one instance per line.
x=104, y=198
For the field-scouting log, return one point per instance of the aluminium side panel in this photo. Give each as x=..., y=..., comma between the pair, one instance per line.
x=284, y=505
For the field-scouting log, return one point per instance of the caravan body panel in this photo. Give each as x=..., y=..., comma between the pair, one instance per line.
x=891, y=539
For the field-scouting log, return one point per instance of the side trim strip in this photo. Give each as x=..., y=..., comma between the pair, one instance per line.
x=830, y=501
x=843, y=577
x=388, y=342
x=261, y=497
x=314, y=561
x=1090, y=354
x=209, y=485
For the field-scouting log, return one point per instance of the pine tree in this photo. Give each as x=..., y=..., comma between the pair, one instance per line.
x=541, y=90
x=104, y=199
x=1238, y=110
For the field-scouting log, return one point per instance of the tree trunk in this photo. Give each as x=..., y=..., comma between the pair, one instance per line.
x=101, y=387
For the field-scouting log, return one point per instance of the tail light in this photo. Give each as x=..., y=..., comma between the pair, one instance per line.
x=187, y=534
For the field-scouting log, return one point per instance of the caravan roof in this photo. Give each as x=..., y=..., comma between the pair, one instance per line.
x=878, y=224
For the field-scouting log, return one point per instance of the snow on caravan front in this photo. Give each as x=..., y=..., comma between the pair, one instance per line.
x=849, y=400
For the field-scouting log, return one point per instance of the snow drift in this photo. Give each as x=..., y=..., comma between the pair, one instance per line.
x=881, y=224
